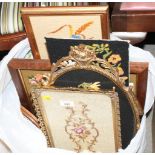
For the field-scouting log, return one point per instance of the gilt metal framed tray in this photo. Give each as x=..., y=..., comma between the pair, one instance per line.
x=79, y=120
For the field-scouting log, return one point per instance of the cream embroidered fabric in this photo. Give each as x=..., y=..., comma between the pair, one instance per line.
x=60, y=23
x=86, y=120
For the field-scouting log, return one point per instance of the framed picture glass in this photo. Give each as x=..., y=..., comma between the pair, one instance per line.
x=64, y=22
x=87, y=120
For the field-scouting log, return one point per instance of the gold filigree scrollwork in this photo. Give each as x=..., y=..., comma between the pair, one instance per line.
x=39, y=114
x=82, y=57
x=81, y=129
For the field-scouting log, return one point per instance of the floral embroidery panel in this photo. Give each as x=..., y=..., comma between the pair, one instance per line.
x=81, y=129
x=115, y=52
x=80, y=121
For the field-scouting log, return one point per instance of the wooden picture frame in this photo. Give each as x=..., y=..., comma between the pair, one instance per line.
x=138, y=76
x=16, y=66
x=138, y=69
x=78, y=113
x=89, y=21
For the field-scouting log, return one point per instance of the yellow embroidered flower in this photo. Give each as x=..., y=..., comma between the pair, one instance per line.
x=90, y=86
x=95, y=86
x=120, y=70
x=46, y=97
x=115, y=58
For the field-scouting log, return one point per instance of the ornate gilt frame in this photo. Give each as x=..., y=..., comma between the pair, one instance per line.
x=81, y=57
x=42, y=117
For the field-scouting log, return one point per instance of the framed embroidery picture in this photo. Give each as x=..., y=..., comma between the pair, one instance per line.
x=115, y=52
x=87, y=22
x=28, y=73
x=88, y=121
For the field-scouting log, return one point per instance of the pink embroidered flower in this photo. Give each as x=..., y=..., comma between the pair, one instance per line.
x=38, y=77
x=79, y=130
x=33, y=82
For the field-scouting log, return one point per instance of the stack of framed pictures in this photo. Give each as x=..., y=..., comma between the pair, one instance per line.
x=79, y=87
x=31, y=75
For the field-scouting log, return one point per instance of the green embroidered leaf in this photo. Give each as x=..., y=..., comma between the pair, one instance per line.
x=102, y=45
x=119, y=65
x=106, y=49
x=106, y=55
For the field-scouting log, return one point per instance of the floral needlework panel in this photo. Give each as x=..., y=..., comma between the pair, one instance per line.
x=80, y=128
x=87, y=120
x=34, y=79
x=115, y=52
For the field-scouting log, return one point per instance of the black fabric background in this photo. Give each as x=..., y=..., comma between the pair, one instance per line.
x=69, y=79
x=58, y=48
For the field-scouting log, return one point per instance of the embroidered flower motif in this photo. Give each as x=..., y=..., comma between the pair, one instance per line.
x=82, y=132
x=95, y=86
x=90, y=86
x=115, y=58
x=80, y=128
x=120, y=70
x=39, y=79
